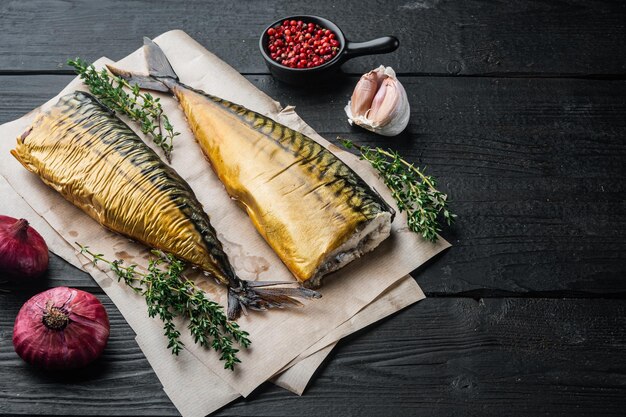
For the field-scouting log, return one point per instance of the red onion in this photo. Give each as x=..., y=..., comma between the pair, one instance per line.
x=23, y=252
x=61, y=328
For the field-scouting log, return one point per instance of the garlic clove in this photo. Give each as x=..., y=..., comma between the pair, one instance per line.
x=382, y=73
x=388, y=112
x=364, y=93
x=385, y=104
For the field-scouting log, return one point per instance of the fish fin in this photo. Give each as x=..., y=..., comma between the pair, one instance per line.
x=271, y=300
x=158, y=65
x=161, y=74
x=234, y=306
x=292, y=292
x=250, y=295
x=255, y=284
x=145, y=82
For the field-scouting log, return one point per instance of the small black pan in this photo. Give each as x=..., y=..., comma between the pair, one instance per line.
x=347, y=50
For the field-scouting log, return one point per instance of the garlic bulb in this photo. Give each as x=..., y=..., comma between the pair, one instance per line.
x=379, y=103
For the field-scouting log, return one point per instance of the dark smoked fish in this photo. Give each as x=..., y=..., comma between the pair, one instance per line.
x=83, y=151
x=312, y=209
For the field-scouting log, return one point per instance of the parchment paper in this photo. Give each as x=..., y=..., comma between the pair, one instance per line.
x=294, y=378
x=179, y=376
x=344, y=294
x=194, y=389
x=13, y=205
x=184, y=377
x=298, y=373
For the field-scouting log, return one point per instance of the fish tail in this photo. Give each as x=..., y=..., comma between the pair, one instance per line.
x=161, y=74
x=255, y=295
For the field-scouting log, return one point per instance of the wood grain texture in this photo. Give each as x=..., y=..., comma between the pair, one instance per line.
x=459, y=357
x=478, y=37
x=528, y=141
x=59, y=274
x=121, y=382
x=451, y=356
x=535, y=169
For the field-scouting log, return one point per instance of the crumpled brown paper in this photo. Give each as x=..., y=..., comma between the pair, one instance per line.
x=180, y=378
x=297, y=374
x=345, y=294
x=11, y=204
x=194, y=389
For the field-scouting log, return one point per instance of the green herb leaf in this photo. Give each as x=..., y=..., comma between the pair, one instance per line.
x=142, y=108
x=169, y=294
x=413, y=190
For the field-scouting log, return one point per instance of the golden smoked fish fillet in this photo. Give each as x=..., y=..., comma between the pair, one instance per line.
x=313, y=210
x=92, y=158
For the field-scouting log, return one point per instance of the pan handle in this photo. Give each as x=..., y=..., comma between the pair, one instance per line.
x=382, y=45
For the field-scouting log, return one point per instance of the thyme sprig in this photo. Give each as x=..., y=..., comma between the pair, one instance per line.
x=143, y=108
x=169, y=295
x=414, y=191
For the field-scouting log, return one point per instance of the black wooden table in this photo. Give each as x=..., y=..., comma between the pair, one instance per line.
x=518, y=107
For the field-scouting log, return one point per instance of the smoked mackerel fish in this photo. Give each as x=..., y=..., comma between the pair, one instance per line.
x=93, y=159
x=314, y=211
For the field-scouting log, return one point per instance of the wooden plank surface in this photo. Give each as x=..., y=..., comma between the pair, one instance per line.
x=534, y=167
x=478, y=37
x=442, y=356
x=517, y=108
x=122, y=377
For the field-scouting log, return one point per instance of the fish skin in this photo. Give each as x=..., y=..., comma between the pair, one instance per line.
x=101, y=166
x=322, y=203
x=92, y=158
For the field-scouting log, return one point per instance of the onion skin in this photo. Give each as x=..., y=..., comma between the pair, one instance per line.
x=77, y=342
x=23, y=252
